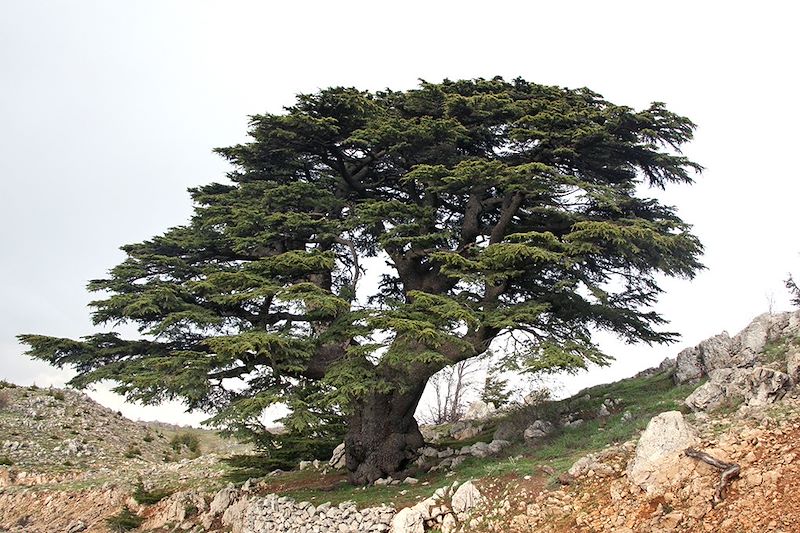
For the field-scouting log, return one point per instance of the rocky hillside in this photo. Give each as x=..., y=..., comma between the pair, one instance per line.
x=612, y=458
x=66, y=459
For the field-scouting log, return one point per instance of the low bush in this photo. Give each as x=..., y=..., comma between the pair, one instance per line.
x=187, y=441
x=125, y=520
x=5, y=399
x=132, y=452
x=149, y=497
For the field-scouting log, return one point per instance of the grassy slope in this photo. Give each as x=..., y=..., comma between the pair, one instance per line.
x=643, y=397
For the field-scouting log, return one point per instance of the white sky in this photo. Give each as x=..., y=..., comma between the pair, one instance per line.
x=109, y=111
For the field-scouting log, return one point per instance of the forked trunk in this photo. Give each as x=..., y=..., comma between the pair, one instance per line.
x=383, y=437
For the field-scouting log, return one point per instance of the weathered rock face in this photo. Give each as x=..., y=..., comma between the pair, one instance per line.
x=744, y=350
x=537, y=430
x=793, y=365
x=751, y=386
x=658, y=457
x=694, y=363
x=176, y=508
x=338, y=459
x=466, y=497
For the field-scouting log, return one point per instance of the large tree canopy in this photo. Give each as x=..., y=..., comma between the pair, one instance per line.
x=485, y=209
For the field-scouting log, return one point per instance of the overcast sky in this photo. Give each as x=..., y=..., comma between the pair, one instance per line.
x=109, y=111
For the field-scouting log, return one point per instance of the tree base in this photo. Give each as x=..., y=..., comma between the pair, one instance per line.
x=383, y=439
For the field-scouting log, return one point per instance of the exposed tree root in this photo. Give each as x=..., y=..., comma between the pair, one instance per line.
x=729, y=471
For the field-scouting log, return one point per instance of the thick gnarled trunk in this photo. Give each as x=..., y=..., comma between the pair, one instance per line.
x=383, y=437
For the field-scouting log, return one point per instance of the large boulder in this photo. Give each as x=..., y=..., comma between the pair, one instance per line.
x=751, y=386
x=694, y=363
x=465, y=498
x=658, y=460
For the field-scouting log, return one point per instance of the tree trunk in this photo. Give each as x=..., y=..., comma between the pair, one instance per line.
x=383, y=437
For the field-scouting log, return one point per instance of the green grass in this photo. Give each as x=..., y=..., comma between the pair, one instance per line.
x=643, y=397
x=776, y=351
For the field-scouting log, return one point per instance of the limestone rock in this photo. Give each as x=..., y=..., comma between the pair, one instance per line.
x=752, y=386
x=408, y=520
x=537, y=430
x=76, y=527
x=744, y=350
x=339, y=458
x=694, y=363
x=449, y=524
x=464, y=431
x=658, y=457
x=223, y=499
x=479, y=410
x=465, y=498
x=793, y=365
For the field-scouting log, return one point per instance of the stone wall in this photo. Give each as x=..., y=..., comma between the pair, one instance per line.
x=282, y=514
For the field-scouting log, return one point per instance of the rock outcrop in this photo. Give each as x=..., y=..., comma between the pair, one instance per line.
x=734, y=386
x=744, y=350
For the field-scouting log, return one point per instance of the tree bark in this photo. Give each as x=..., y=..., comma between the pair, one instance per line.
x=383, y=437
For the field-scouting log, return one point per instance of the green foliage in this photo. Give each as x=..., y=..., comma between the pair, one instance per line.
x=794, y=290
x=149, y=497
x=495, y=390
x=185, y=441
x=285, y=451
x=502, y=207
x=56, y=394
x=125, y=520
x=5, y=461
x=132, y=451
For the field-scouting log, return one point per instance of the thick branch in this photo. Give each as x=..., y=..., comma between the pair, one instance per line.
x=470, y=228
x=511, y=204
x=729, y=472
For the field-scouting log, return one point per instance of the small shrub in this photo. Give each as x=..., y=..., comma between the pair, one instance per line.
x=149, y=497
x=125, y=520
x=191, y=511
x=56, y=394
x=148, y=438
x=5, y=461
x=5, y=399
x=185, y=440
x=132, y=452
